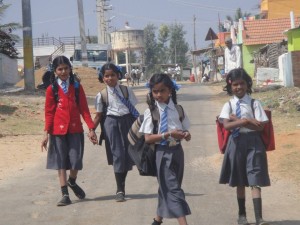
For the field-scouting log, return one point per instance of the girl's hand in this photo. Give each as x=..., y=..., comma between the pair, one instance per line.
x=177, y=134
x=44, y=142
x=93, y=137
x=187, y=136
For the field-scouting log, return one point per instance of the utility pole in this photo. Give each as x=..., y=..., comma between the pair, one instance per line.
x=27, y=46
x=82, y=34
x=195, y=47
x=101, y=8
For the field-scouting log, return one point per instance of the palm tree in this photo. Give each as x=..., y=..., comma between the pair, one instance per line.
x=238, y=14
x=7, y=39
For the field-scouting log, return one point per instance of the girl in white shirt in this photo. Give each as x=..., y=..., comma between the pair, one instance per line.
x=245, y=160
x=169, y=152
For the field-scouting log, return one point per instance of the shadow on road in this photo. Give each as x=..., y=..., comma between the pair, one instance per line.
x=128, y=197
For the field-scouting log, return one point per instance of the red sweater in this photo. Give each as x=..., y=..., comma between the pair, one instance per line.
x=63, y=117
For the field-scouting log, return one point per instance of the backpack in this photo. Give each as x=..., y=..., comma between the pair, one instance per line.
x=222, y=133
x=142, y=153
x=267, y=134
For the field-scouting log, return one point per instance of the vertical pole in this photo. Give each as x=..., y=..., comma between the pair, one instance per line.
x=27, y=45
x=195, y=47
x=82, y=34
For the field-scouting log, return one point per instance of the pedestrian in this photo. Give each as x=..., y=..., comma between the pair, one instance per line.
x=63, y=127
x=245, y=160
x=232, y=56
x=169, y=152
x=116, y=113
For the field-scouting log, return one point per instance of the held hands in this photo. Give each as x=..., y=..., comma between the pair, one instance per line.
x=93, y=137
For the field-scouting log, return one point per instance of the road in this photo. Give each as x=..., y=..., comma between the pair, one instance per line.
x=30, y=197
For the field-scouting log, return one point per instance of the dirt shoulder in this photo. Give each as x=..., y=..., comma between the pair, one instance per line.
x=22, y=118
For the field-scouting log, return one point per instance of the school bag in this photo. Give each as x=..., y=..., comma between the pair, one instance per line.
x=142, y=153
x=267, y=134
x=222, y=134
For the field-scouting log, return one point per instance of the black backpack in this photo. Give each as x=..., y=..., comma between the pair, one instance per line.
x=141, y=153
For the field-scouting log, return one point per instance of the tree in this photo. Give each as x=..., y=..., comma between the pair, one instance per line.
x=178, y=46
x=163, y=38
x=150, y=47
x=238, y=14
x=7, y=39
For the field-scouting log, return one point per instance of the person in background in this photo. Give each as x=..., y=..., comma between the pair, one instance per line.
x=63, y=127
x=232, y=56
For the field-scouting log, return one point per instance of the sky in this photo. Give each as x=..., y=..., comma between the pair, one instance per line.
x=59, y=18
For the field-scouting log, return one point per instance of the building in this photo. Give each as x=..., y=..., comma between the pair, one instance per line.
x=275, y=9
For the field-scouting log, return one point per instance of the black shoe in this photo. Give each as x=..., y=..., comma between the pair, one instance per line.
x=77, y=190
x=242, y=220
x=65, y=200
x=120, y=197
x=155, y=222
x=262, y=222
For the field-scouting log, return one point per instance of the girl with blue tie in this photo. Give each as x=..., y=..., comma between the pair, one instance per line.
x=245, y=160
x=169, y=152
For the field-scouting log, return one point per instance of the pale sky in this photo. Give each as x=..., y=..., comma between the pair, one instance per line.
x=59, y=18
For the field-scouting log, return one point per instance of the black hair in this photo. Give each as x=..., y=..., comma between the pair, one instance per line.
x=109, y=66
x=58, y=61
x=238, y=74
x=167, y=81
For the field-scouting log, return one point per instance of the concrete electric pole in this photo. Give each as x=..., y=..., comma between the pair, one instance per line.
x=82, y=34
x=27, y=45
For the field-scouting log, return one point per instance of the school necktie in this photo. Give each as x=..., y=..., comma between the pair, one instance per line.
x=164, y=124
x=128, y=104
x=64, y=86
x=236, y=131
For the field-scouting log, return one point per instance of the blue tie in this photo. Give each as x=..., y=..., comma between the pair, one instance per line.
x=64, y=86
x=236, y=131
x=128, y=104
x=164, y=124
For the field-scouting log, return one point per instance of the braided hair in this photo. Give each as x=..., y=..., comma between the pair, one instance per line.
x=167, y=81
x=238, y=74
x=58, y=61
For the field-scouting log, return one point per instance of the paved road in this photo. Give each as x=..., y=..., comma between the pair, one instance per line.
x=31, y=197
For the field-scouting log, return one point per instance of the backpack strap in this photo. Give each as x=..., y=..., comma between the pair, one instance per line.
x=180, y=112
x=76, y=86
x=155, y=119
x=252, y=106
x=124, y=91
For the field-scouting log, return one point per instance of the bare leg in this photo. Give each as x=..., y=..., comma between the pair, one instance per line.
x=73, y=173
x=62, y=174
x=182, y=220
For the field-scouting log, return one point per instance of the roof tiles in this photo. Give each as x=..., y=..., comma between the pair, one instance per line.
x=266, y=31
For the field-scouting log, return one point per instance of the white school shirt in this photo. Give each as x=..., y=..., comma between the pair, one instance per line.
x=115, y=105
x=173, y=119
x=246, y=110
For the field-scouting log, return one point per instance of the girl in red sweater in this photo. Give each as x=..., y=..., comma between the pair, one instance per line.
x=65, y=102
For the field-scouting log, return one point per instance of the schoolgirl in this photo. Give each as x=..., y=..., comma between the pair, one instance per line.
x=63, y=127
x=245, y=159
x=169, y=152
x=119, y=113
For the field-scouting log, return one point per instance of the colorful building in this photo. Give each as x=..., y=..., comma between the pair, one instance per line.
x=274, y=9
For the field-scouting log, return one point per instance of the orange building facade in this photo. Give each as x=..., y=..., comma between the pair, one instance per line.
x=274, y=9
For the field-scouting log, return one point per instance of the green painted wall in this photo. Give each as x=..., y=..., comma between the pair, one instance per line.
x=247, y=57
x=293, y=40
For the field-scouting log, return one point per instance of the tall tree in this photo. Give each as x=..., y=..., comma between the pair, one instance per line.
x=163, y=38
x=238, y=14
x=178, y=46
x=7, y=39
x=150, y=47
